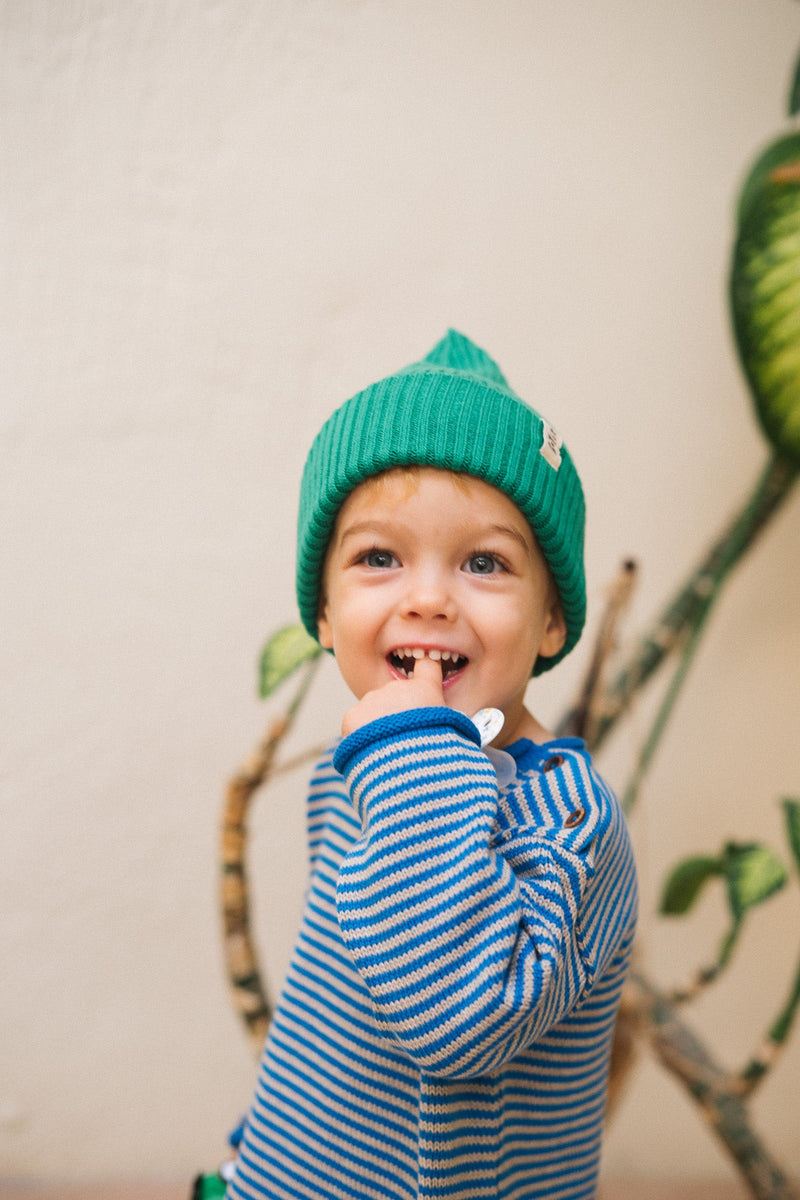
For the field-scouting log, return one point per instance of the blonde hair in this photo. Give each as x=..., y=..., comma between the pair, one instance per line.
x=410, y=474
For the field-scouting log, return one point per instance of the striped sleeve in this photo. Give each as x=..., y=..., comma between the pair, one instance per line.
x=466, y=931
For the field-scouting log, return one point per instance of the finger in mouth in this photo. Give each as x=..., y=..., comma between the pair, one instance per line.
x=404, y=658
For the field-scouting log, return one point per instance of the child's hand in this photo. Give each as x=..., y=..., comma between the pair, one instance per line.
x=423, y=689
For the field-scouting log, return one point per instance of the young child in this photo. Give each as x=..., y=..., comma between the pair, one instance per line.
x=445, y=1026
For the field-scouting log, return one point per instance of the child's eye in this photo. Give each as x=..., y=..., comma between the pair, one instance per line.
x=483, y=564
x=381, y=559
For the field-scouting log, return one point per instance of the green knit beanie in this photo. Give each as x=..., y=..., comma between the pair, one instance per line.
x=452, y=410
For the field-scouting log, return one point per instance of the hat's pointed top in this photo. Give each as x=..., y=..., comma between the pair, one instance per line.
x=459, y=353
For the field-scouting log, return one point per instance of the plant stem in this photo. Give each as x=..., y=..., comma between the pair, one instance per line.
x=248, y=992
x=690, y=606
x=714, y=1091
x=664, y=713
x=584, y=713
x=306, y=680
x=764, y=1059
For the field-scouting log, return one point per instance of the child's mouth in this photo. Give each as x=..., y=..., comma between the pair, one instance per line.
x=404, y=657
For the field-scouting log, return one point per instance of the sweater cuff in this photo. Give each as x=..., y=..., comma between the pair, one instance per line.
x=399, y=724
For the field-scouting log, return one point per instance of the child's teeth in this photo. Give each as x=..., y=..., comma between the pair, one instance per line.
x=416, y=652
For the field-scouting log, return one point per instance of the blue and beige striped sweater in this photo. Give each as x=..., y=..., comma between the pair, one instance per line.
x=445, y=1026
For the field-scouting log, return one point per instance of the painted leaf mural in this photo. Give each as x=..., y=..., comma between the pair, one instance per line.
x=285, y=651
x=765, y=291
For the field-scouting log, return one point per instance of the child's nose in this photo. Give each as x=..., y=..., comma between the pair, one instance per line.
x=428, y=596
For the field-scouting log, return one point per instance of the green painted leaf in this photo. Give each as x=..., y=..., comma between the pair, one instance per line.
x=686, y=881
x=791, y=810
x=758, y=182
x=765, y=291
x=753, y=873
x=285, y=651
x=794, y=94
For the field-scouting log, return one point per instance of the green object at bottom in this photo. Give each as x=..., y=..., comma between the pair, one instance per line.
x=209, y=1187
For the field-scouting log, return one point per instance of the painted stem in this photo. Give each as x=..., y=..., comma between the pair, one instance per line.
x=715, y=1092
x=631, y=793
x=584, y=713
x=720, y=1096
x=769, y=1052
x=692, y=603
x=248, y=993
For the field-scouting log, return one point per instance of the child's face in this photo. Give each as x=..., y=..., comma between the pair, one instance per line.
x=446, y=565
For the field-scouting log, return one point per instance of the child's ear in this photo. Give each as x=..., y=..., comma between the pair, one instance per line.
x=324, y=627
x=555, y=631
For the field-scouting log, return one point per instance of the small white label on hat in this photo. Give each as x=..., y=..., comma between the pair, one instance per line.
x=551, y=445
x=489, y=722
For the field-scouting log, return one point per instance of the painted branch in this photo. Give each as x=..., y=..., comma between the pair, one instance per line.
x=696, y=985
x=248, y=993
x=584, y=716
x=714, y=1091
x=691, y=603
x=773, y=1044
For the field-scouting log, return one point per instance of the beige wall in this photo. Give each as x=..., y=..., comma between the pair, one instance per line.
x=218, y=220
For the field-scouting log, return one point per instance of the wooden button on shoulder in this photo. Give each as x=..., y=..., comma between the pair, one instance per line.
x=550, y=764
x=575, y=818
